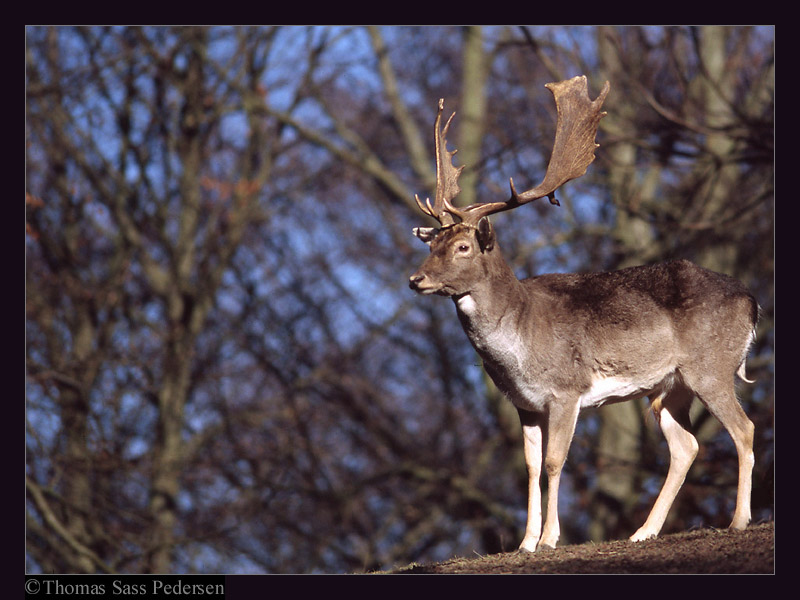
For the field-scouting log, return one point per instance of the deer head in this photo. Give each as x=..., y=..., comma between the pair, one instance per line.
x=465, y=235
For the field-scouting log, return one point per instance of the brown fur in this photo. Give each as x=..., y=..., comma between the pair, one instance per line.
x=559, y=342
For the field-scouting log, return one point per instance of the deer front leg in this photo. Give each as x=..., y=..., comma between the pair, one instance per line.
x=532, y=446
x=563, y=415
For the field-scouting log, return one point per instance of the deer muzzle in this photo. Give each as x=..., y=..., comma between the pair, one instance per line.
x=420, y=283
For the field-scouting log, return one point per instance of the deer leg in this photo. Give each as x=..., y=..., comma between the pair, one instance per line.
x=725, y=407
x=532, y=446
x=560, y=428
x=672, y=413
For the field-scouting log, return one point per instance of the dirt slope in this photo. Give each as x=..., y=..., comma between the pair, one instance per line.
x=699, y=551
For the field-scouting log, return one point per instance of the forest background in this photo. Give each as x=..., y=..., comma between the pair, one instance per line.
x=225, y=368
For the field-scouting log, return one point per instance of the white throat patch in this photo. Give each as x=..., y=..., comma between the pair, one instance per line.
x=466, y=304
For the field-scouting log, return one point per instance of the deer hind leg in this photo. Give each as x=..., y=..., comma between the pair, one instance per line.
x=721, y=402
x=672, y=412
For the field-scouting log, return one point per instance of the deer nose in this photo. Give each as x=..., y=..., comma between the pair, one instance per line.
x=414, y=280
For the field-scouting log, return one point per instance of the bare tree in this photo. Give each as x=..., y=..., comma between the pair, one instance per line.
x=223, y=357
x=128, y=121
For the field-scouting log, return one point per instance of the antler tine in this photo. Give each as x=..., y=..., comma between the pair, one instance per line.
x=446, y=176
x=573, y=149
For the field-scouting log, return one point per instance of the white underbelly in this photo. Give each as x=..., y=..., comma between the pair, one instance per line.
x=619, y=387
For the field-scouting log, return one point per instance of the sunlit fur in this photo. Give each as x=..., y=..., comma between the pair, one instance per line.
x=559, y=343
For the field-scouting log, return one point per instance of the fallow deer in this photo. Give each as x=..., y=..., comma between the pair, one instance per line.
x=558, y=343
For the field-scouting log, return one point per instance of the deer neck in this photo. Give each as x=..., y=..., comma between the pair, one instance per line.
x=494, y=299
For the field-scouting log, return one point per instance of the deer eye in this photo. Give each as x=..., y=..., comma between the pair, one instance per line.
x=463, y=248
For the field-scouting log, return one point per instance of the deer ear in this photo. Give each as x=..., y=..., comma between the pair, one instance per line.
x=426, y=234
x=485, y=234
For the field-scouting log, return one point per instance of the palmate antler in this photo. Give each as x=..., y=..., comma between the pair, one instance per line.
x=573, y=152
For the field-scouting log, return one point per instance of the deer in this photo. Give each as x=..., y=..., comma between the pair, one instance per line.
x=556, y=344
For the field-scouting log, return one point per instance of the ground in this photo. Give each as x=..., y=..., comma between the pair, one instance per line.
x=698, y=551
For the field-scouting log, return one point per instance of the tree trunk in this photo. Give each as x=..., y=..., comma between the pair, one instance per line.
x=181, y=299
x=471, y=125
x=621, y=425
